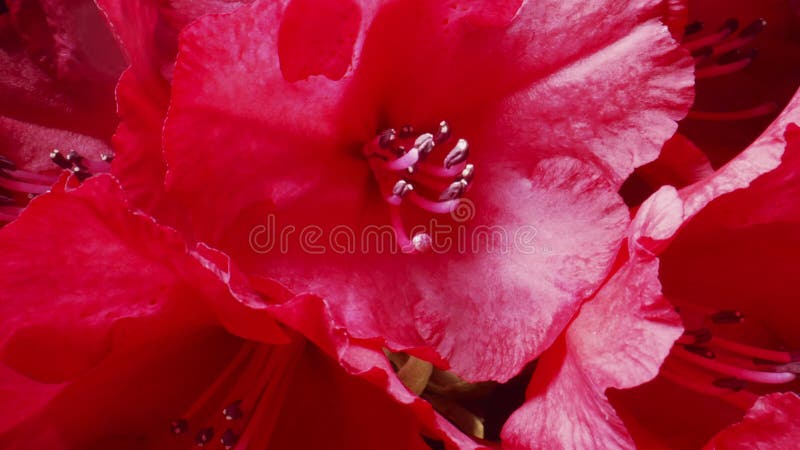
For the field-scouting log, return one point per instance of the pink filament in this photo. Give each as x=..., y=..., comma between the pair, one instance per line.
x=444, y=207
x=721, y=70
x=709, y=40
x=727, y=369
x=744, y=114
x=24, y=187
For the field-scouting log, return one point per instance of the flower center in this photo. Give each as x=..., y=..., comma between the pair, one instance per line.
x=18, y=187
x=710, y=364
x=721, y=53
x=410, y=170
x=478, y=409
x=239, y=407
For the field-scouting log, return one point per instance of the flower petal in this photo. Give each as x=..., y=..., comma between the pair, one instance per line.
x=148, y=31
x=280, y=140
x=492, y=312
x=612, y=102
x=618, y=340
x=770, y=424
x=496, y=291
x=76, y=267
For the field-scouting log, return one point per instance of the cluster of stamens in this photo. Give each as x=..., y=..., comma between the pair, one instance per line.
x=721, y=53
x=82, y=167
x=714, y=365
x=240, y=400
x=18, y=186
x=409, y=171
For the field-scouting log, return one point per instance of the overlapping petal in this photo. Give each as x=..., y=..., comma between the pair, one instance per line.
x=84, y=278
x=618, y=340
x=770, y=424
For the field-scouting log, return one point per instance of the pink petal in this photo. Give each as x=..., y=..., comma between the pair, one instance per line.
x=619, y=339
x=770, y=424
x=148, y=31
x=232, y=164
x=612, y=97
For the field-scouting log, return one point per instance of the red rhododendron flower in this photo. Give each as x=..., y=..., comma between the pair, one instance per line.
x=744, y=80
x=113, y=338
x=308, y=149
x=728, y=271
x=388, y=219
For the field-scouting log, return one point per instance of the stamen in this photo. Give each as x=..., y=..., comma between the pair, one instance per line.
x=729, y=27
x=458, y=155
x=228, y=439
x=752, y=113
x=468, y=173
x=711, y=363
x=31, y=177
x=442, y=134
x=400, y=190
x=59, y=160
x=233, y=411
x=727, y=317
x=21, y=186
x=702, y=54
x=755, y=352
x=793, y=367
x=693, y=28
x=455, y=191
x=387, y=138
x=746, y=36
x=734, y=384
x=424, y=145
x=755, y=27
x=695, y=337
x=9, y=213
x=719, y=70
x=689, y=379
x=405, y=161
x=438, y=171
x=7, y=201
x=705, y=352
x=179, y=426
x=7, y=164
x=204, y=436
x=444, y=207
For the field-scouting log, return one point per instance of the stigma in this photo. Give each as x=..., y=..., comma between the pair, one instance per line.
x=428, y=171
